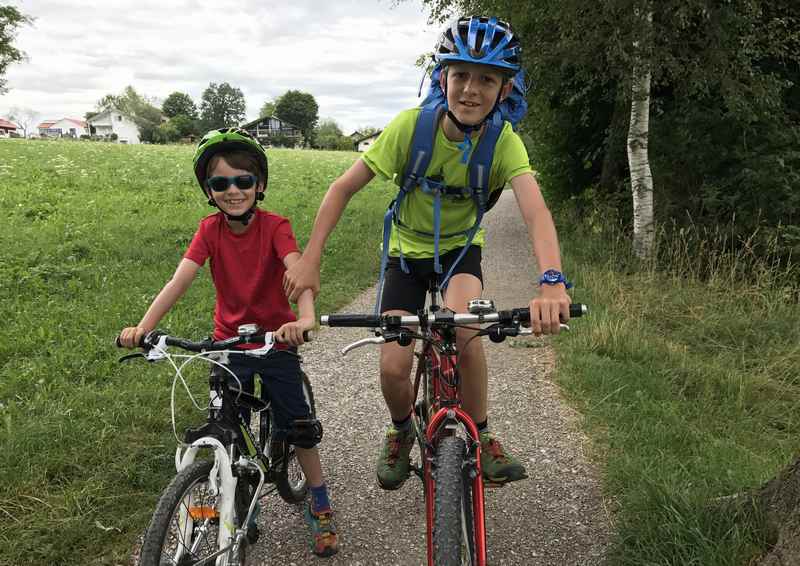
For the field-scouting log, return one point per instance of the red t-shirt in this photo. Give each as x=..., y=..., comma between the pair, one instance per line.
x=247, y=270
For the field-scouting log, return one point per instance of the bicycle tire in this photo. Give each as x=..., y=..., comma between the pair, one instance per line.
x=290, y=481
x=163, y=542
x=452, y=508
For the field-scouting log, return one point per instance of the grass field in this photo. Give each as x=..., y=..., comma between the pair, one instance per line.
x=689, y=387
x=92, y=233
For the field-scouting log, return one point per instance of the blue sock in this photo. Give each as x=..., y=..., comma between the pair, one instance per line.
x=319, y=498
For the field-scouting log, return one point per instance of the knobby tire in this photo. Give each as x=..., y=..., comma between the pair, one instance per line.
x=452, y=521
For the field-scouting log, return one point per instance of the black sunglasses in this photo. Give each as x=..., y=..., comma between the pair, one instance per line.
x=220, y=183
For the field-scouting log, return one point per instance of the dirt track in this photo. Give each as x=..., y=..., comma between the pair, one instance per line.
x=556, y=517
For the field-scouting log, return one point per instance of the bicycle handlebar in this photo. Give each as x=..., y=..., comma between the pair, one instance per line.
x=151, y=339
x=442, y=317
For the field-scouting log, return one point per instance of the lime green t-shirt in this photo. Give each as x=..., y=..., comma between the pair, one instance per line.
x=387, y=158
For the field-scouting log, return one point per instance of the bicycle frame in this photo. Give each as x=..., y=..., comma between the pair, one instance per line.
x=223, y=419
x=439, y=414
x=437, y=363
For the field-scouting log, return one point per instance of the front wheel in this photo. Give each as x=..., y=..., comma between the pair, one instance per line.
x=185, y=526
x=453, y=522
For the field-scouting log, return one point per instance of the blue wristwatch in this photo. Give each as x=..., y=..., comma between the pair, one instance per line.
x=554, y=277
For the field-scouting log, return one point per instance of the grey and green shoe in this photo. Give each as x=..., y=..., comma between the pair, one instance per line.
x=497, y=466
x=394, y=462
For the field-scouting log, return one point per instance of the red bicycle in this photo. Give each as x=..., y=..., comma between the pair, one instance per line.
x=447, y=436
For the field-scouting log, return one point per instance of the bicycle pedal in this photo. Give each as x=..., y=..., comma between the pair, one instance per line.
x=252, y=534
x=487, y=484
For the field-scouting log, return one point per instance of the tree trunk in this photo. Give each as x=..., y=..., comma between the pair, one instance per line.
x=638, y=160
x=778, y=502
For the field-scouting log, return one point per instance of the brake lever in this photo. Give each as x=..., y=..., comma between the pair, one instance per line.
x=128, y=357
x=363, y=342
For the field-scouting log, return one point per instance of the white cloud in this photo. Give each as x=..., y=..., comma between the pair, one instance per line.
x=356, y=57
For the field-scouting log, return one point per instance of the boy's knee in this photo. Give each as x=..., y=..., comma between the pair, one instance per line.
x=470, y=352
x=395, y=372
x=305, y=433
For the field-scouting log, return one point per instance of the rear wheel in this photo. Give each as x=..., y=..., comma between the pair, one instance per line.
x=185, y=525
x=288, y=476
x=453, y=526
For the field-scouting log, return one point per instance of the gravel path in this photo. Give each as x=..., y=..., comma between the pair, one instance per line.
x=556, y=517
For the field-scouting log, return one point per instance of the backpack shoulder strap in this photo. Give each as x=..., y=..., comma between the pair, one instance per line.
x=480, y=164
x=421, y=148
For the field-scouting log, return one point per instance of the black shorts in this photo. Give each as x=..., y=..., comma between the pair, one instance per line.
x=280, y=383
x=408, y=291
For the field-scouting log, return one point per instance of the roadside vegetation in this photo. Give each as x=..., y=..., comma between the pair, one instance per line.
x=685, y=370
x=686, y=373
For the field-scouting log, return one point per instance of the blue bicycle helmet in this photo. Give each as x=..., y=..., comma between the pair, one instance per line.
x=480, y=40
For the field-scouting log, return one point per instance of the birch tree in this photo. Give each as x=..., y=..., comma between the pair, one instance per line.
x=638, y=133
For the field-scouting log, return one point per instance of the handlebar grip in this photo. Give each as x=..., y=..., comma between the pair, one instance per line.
x=575, y=310
x=578, y=309
x=362, y=320
x=118, y=344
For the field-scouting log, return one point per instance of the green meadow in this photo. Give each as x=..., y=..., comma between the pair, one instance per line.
x=92, y=233
x=687, y=377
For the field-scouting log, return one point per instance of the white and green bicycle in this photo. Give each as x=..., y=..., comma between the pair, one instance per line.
x=204, y=514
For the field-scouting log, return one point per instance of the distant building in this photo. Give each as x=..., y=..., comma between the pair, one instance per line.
x=63, y=128
x=111, y=121
x=7, y=128
x=361, y=144
x=269, y=128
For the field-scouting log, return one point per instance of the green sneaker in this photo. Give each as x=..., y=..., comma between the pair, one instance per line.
x=393, y=463
x=496, y=465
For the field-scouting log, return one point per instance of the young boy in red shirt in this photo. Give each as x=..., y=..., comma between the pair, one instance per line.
x=249, y=251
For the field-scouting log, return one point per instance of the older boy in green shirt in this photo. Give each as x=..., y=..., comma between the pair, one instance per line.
x=479, y=56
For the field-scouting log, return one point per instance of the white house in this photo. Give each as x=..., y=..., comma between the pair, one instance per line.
x=363, y=143
x=112, y=121
x=65, y=127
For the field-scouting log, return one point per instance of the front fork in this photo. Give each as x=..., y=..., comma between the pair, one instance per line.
x=444, y=418
x=220, y=479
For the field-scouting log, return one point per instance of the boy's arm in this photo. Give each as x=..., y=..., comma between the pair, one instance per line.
x=304, y=274
x=292, y=332
x=174, y=289
x=552, y=304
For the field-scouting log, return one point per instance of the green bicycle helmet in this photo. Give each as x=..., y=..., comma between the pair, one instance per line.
x=229, y=139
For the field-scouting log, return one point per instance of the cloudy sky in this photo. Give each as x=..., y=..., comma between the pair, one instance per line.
x=356, y=57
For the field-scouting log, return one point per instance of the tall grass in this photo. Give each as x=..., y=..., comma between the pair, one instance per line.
x=91, y=233
x=686, y=373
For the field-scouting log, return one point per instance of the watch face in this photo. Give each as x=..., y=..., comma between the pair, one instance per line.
x=551, y=275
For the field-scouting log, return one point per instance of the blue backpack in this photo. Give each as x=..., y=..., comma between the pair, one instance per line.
x=511, y=109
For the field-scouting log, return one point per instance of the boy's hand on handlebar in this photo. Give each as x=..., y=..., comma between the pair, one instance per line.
x=302, y=275
x=292, y=332
x=131, y=336
x=549, y=310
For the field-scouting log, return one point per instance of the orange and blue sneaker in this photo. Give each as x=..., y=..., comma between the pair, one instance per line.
x=324, y=541
x=497, y=466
